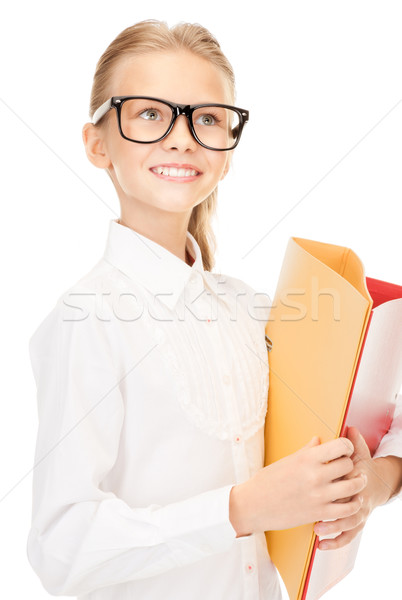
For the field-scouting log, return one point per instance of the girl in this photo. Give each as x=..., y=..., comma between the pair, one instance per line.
x=151, y=371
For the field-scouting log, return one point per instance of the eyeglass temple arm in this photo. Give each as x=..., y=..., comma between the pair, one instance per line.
x=101, y=111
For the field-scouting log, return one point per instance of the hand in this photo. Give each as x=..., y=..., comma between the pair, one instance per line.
x=374, y=494
x=298, y=489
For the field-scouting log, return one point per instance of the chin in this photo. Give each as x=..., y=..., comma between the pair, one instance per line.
x=176, y=204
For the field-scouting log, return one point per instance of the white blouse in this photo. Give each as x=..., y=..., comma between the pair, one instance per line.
x=152, y=380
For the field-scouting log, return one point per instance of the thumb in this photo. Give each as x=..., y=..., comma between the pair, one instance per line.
x=361, y=451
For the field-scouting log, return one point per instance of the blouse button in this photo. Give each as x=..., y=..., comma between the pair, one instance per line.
x=237, y=439
x=250, y=568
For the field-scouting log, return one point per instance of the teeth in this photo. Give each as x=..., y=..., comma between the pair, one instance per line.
x=174, y=172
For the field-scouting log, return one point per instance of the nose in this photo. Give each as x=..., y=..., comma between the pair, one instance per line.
x=180, y=138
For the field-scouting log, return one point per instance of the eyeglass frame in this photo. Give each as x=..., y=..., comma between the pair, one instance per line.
x=177, y=110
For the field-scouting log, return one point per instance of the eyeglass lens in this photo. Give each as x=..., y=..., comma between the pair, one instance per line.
x=145, y=120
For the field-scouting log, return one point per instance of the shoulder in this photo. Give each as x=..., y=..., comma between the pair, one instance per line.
x=80, y=309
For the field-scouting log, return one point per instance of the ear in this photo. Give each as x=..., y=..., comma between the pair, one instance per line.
x=227, y=165
x=95, y=147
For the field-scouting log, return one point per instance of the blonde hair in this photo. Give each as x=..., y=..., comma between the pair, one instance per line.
x=150, y=36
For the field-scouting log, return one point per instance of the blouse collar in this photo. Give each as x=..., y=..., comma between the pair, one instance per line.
x=160, y=271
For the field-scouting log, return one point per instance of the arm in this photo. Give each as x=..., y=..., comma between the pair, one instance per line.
x=83, y=538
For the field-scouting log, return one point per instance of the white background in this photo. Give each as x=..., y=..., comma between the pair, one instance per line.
x=322, y=81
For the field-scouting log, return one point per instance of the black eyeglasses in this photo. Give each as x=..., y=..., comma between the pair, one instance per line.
x=146, y=120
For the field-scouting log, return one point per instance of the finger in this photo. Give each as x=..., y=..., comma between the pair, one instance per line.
x=343, y=500
x=341, y=540
x=324, y=528
x=315, y=441
x=334, y=449
x=350, y=475
x=335, y=510
x=340, y=467
x=361, y=449
x=347, y=487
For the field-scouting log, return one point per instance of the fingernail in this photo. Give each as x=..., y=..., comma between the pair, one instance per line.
x=324, y=546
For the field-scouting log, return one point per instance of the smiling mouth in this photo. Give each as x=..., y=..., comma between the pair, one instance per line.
x=175, y=172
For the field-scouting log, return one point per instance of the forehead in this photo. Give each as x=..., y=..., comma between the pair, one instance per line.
x=179, y=76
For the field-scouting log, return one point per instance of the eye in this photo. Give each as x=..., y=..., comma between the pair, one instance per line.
x=208, y=120
x=151, y=114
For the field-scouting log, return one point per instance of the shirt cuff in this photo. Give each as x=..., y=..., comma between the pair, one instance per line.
x=204, y=522
x=390, y=450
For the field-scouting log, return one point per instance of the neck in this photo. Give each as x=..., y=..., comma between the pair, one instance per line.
x=175, y=241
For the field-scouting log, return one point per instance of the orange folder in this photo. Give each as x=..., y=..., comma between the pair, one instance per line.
x=336, y=361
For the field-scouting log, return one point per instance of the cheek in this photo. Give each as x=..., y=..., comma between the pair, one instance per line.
x=128, y=170
x=126, y=158
x=218, y=163
x=121, y=151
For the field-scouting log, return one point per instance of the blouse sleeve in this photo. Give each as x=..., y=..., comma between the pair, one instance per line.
x=81, y=537
x=391, y=443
